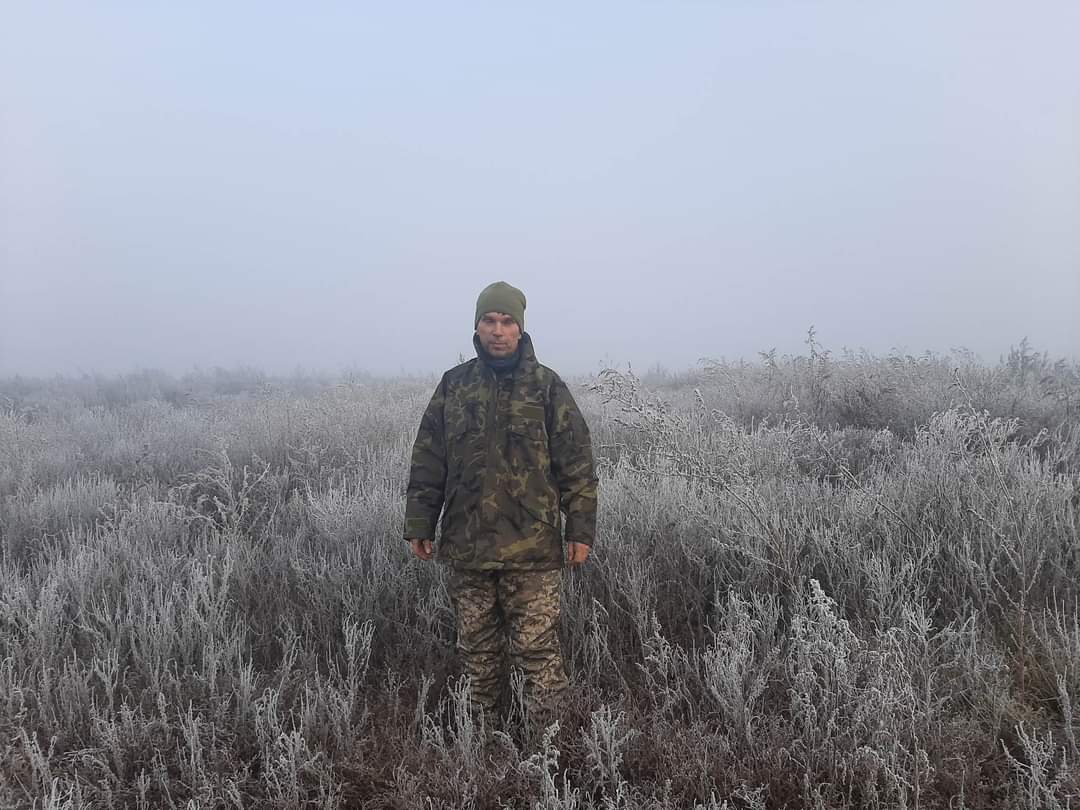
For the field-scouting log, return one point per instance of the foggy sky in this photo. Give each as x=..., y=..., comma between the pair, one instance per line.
x=204, y=184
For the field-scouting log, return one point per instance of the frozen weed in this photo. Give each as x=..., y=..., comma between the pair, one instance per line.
x=822, y=581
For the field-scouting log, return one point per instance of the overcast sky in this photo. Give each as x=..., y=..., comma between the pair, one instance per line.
x=331, y=185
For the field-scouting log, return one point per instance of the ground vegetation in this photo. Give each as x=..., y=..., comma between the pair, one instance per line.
x=824, y=580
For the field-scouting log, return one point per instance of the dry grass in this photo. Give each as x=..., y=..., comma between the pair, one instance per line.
x=820, y=582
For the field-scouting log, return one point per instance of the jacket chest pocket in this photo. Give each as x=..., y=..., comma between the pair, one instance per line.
x=464, y=443
x=528, y=444
x=530, y=482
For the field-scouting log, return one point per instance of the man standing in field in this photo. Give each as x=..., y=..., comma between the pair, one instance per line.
x=502, y=452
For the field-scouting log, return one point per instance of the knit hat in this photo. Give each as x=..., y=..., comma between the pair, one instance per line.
x=501, y=297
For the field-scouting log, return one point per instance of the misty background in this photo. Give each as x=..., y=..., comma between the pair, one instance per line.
x=223, y=184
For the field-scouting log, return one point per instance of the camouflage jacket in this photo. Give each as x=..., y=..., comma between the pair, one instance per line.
x=500, y=458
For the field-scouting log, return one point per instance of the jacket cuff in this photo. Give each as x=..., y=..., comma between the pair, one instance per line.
x=580, y=529
x=420, y=528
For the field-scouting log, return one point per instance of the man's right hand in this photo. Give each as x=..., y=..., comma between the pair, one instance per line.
x=424, y=549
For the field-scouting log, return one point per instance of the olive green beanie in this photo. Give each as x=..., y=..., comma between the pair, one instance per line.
x=501, y=297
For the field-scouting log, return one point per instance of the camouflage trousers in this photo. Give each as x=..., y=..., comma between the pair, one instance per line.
x=510, y=617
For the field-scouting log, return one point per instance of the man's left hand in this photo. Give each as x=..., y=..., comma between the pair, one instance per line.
x=576, y=553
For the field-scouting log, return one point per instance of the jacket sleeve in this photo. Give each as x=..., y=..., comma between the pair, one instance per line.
x=572, y=465
x=427, y=473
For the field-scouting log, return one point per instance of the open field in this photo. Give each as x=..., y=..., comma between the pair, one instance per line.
x=820, y=582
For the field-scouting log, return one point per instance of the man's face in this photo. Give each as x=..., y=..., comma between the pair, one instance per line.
x=499, y=334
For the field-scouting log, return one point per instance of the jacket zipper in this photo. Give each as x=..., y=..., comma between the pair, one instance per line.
x=487, y=503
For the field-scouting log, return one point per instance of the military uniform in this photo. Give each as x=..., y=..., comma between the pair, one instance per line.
x=501, y=457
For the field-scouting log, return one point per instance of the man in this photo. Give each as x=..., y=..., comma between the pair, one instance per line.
x=501, y=452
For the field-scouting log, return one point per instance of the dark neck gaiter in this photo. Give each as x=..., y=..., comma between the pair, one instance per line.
x=500, y=365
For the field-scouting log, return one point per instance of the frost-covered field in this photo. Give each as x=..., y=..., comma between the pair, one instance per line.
x=820, y=582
